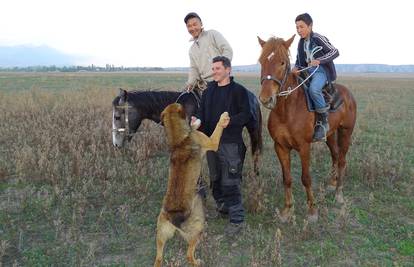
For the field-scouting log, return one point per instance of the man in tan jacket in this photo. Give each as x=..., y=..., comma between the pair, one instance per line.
x=207, y=44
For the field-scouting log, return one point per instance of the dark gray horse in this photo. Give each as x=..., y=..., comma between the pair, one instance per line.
x=130, y=108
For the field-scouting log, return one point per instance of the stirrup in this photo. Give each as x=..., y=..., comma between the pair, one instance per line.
x=319, y=123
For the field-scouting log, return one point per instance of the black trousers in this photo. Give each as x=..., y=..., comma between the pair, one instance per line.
x=225, y=167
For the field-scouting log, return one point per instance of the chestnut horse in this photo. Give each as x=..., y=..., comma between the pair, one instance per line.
x=291, y=125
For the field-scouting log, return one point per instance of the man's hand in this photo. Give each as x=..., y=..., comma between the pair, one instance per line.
x=295, y=71
x=195, y=123
x=314, y=63
x=224, y=119
x=189, y=87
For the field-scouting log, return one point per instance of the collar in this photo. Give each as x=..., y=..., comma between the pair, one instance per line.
x=215, y=84
x=310, y=37
x=192, y=39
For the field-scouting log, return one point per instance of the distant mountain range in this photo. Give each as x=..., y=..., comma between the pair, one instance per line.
x=29, y=55
x=345, y=68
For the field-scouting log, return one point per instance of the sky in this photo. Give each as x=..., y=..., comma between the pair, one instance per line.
x=153, y=33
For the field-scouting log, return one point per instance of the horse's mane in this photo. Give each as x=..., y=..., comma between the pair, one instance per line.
x=151, y=100
x=275, y=45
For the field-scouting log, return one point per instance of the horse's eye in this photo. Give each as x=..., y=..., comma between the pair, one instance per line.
x=283, y=63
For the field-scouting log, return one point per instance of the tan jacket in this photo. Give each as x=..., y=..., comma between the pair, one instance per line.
x=207, y=46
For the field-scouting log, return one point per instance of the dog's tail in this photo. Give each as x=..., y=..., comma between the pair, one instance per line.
x=177, y=217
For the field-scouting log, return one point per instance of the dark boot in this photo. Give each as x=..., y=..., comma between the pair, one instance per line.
x=231, y=230
x=220, y=212
x=321, y=126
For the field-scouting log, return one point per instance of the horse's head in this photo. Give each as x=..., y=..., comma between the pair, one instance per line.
x=275, y=67
x=125, y=119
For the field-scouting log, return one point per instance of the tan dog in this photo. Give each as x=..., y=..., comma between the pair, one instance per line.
x=182, y=207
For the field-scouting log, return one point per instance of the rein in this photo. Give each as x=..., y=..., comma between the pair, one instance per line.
x=197, y=98
x=289, y=90
x=287, y=71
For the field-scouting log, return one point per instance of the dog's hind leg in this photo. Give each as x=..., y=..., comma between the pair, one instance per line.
x=193, y=230
x=192, y=244
x=165, y=230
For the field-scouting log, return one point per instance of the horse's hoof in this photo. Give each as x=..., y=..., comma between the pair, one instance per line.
x=286, y=215
x=330, y=188
x=339, y=198
x=331, y=184
x=313, y=217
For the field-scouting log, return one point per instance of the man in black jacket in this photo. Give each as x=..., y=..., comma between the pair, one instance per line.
x=225, y=165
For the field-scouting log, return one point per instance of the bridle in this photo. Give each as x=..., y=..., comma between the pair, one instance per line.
x=289, y=90
x=126, y=131
x=281, y=83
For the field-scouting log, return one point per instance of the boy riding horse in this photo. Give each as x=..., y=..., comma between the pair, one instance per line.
x=316, y=53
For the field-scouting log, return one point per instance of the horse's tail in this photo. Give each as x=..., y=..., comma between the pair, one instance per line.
x=256, y=140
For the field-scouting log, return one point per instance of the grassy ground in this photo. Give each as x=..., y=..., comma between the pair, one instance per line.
x=68, y=198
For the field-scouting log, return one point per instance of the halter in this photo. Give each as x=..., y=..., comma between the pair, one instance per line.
x=279, y=82
x=126, y=131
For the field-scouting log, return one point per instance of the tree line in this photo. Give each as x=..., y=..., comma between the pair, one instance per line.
x=90, y=68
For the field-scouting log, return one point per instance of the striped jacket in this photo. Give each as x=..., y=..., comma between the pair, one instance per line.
x=208, y=45
x=325, y=56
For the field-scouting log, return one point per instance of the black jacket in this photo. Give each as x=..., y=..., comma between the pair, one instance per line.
x=234, y=100
x=325, y=56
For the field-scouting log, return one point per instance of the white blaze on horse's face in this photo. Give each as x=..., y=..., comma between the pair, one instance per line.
x=269, y=57
x=117, y=136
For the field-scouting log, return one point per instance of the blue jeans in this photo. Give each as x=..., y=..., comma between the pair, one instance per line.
x=318, y=81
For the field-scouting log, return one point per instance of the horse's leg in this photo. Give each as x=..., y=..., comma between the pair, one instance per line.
x=332, y=143
x=344, y=140
x=304, y=154
x=283, y=154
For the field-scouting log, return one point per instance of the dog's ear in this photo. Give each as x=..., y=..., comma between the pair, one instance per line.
x=162, y=118
x=181, y=111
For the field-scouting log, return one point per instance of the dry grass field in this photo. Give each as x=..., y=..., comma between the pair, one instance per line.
x=69, y=198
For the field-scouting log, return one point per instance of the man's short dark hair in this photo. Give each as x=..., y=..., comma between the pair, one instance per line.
x=226, y=62
x=190, y=16
x=305, y=17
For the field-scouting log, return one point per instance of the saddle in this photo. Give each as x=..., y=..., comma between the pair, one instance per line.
x=330, y=94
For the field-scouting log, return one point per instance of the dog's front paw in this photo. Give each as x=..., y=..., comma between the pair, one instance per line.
x=224, y=119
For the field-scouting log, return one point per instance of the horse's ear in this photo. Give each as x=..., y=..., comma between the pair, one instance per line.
x=261, y=42
x=123, y=94
x=289, y=42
